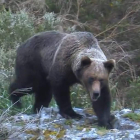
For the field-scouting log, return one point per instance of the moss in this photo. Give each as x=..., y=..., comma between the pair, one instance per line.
x=34, y=138
x=59, y=134
x=33, y=132
x=101, y=131
x=68, y=122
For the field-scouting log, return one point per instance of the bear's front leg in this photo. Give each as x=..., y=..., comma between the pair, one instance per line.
x=62, y=97
x=102, y=108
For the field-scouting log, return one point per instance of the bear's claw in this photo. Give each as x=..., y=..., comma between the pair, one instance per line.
x=71, y=115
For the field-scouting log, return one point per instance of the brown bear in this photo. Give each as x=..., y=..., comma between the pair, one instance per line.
x=51, y=62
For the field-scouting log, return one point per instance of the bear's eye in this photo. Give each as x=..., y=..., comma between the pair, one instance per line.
x=90, y=80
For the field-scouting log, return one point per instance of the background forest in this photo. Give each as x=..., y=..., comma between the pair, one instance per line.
x=115, y=23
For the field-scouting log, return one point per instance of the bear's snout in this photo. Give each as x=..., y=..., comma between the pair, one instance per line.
x=95, y=91
x=95, y=96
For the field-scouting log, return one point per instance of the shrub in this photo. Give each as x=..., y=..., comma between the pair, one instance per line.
x=133, y=94
x=14, y=30
x=79, y=97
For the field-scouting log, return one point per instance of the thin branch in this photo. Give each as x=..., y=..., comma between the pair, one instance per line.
x=4, y=74
x=22, y=90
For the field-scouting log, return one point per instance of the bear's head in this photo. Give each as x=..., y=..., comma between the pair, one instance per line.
x=94, y=74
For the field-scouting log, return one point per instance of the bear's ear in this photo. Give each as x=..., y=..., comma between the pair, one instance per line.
x=109, y=65
x=85, y=61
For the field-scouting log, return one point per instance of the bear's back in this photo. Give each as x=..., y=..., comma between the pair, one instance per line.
x=38, y=49
x=41, y=40
x=44, y=41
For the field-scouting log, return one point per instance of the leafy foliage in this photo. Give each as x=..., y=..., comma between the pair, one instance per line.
x=14, y=30
x=79, y=97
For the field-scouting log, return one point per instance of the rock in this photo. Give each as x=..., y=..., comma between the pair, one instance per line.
x=137, y=111
x=14, y=135
x=125, y=111
x=49, y=124
x=137, y=136
x=126, y=127
x=23, y=117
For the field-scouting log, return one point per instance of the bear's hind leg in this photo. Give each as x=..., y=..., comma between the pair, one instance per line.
x=23, y=80
x=62, y=97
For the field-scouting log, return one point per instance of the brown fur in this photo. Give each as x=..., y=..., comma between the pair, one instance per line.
x=50, y=62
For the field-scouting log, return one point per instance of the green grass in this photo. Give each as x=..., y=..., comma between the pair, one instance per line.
x=133, y=116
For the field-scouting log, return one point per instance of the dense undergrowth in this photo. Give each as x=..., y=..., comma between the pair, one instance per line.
x=116, y=24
